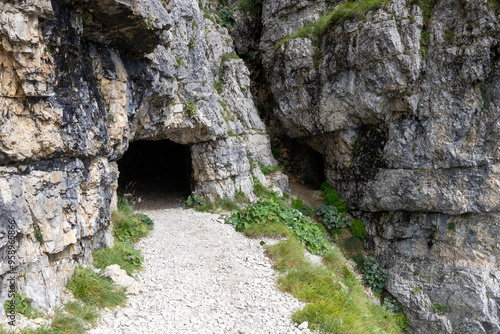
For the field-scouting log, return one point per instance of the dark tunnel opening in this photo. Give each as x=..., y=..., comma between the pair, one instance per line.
x=301, y=161
x=155, y=167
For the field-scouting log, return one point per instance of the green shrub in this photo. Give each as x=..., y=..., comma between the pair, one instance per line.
x=20, y=303
x=125, y=206
x=269, y=211
x=145, y=220
x=391, y=305
x=180, y=62
x=96, y=290
x=298, y=203
x=226, y=15
x=128, y=227
x=424, y=52
x=191, y=108
x=401, y=320
x=195, y=201
x=358, y=228
x=331, y=218
x=123, y=254
x=332, y=197
x=373, y=275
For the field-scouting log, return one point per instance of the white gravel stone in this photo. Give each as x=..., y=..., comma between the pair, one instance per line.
x=201, y=276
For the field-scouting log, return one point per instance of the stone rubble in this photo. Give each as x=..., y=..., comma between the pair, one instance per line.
x=201, y=276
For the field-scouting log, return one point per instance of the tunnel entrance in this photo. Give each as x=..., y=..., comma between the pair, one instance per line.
x=155, y=167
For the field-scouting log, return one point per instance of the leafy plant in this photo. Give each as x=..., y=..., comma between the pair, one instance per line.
x=439, y=308
x=38, y=234
x=298, y=203
x=110, y=118
x=332, y=218
x=373, y=275
x=192, y=43
x=358, y=228
x=19, y=303
x=180, y=62
x=332, y=197
x=427, y=7
x=127, y=225
x=424, y=52
x=391, y=305
x=270, y=211
x=195, y=201
x=401, y=320
x=226, y=15
x=360, y=260
x=191, y=108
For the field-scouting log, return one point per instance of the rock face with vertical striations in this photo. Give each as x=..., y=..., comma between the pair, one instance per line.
x=80, y=80
x=403, y=104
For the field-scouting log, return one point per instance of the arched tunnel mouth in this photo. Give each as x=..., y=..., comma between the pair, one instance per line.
x=155, y=168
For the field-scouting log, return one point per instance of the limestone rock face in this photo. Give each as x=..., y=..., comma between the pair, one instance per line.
x=404, y=109
x=80, y=80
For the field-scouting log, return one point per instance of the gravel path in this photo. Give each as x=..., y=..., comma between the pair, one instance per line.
x=200, y=276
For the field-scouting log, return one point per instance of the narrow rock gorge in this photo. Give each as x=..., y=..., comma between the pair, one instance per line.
x=397, y=107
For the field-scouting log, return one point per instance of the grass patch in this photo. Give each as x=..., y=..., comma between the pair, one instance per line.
x=337, y=16
x=82, y=311
x=95, y=290
x=273, y=230
x=427, y=7
x=336, y=301
x=127, y=225
x=65, y=324
x=287, y=254
x=123, y=254
x=271, y=169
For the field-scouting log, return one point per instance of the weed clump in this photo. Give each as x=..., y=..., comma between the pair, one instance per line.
x=96, y=290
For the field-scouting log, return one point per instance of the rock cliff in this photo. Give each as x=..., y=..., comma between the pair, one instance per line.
x=402, y=102
x=80, y=79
